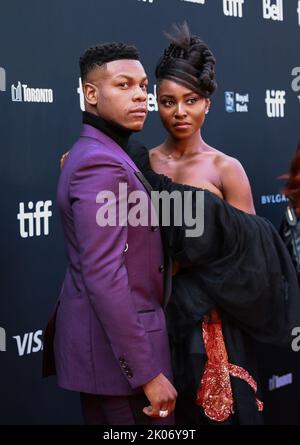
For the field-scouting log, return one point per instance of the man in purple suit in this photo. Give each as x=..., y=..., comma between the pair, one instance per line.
x=107, y=338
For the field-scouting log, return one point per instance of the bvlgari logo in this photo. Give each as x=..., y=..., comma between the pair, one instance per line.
x=273, y=199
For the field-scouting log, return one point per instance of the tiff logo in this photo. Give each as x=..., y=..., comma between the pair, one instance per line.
x=30, y=222
x=2, y=79
x=298, y=10
x=233, y=8
x=2, y=340
x=29, y=342
x=275, y=101
x=273, y=11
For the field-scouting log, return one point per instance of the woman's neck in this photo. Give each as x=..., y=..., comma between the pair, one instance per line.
x=193, y=144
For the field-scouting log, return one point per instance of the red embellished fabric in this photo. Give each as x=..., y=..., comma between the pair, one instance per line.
x=215, y=392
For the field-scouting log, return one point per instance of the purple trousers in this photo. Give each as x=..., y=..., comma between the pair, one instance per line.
x=118, y=410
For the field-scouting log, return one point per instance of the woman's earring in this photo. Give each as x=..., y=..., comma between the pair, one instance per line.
x=207, y=111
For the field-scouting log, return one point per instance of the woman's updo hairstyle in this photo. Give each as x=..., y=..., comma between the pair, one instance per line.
x=188, y=61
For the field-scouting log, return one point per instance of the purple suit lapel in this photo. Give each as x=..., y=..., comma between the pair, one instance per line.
x=91, y=132
x=94, y=133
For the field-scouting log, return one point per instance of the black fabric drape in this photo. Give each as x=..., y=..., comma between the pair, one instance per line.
x=240, y=266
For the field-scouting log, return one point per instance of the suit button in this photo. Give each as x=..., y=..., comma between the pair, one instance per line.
x=154, y=228
x=161, y=269
x=126, y=248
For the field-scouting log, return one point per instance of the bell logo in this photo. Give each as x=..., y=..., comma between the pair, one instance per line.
x=2, y=79
x=275, y=101
x=30, y=222
x=152, y=100
x=2, y=340
x=233, y=8
x=273, y=11
x=29, y=342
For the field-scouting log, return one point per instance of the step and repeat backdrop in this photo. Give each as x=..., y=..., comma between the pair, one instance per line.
x=255, y=117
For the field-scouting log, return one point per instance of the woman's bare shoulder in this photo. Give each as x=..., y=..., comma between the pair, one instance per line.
x=224, y=161
x=229, y=164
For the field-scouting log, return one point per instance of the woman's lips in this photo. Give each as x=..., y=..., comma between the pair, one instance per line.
x=182, y=125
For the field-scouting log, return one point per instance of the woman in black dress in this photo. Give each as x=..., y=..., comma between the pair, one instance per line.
x=230, y=284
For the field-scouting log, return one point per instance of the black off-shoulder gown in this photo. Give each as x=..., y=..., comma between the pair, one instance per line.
x=238, y=265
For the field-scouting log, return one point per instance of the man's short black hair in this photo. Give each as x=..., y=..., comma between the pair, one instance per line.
x=103, y=53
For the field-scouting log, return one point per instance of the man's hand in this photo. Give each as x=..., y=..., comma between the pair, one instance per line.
x=161, y=394
x=63, y=158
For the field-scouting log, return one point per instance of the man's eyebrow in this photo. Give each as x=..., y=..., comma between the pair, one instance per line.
x=128, y=77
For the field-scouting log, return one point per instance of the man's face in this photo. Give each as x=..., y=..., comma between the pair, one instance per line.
x=117, y=92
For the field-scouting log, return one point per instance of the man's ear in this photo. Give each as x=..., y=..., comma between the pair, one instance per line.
x=90, y=92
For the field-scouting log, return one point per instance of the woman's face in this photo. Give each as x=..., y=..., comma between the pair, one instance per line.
x=181, y=110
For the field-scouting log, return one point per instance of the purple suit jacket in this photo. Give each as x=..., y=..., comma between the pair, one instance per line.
x=108, y=332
